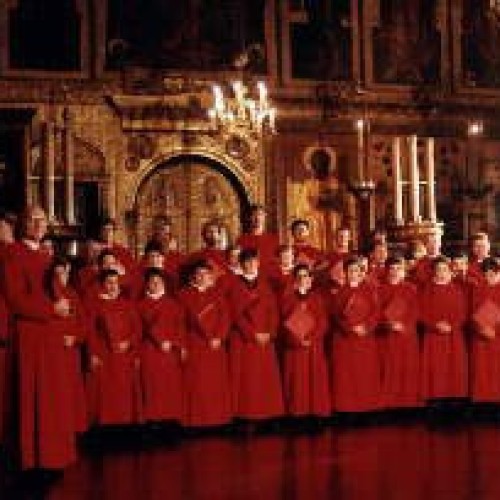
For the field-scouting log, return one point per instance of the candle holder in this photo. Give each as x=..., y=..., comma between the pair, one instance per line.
x=362, y=189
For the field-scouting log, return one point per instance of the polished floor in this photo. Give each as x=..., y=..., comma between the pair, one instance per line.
x=377, y=461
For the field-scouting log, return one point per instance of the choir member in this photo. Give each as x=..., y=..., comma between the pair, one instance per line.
x=7, y=223
x=153, y=259
x=233, y=260
x=480, y=247
x=305, y=253
x=122, y=254
x=47, y=245
x=333, y=267
x=443, y=315
x=377, y=260
x=207, y=387
x=70, y=332
x=281, y=273
x=424, y=269
x=44, y=442
x=399, y=343
x=255, y=375
x=304, y=325
x=355, y=365
x=485, y=343
x=257, y=237
x=163, y=350
x=163, y=233
x=87, y=274
x=113, y=341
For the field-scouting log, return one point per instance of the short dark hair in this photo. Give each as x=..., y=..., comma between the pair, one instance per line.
x=103, y=254
x=153, y=246
x=152, y=272
x=490, y=264
x=107, y=273
x=248, y=253
x=301, y=267
x=441, y=259
x=299, y=222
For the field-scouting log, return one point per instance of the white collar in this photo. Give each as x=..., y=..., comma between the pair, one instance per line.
x=250, y=277
x=105, y=296
x=32, y=244
x=155, y=296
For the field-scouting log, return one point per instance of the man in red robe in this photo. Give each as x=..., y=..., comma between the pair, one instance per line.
x=480, y=247
x=485, y=342
x=305, y=322
x=376, y=262
x=122, y=253
x=355, y=363
x=444, y=356
x=424, y=268
x=257, y=237
x=114, y=338
x=255, y=375
x=44, y=442
x=399, y=344
x=163, y=351
x=207, y=386
x=7, y=222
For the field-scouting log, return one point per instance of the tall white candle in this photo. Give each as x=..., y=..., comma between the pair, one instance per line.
x=398, y=185
x=414, y=179
x=431, y=179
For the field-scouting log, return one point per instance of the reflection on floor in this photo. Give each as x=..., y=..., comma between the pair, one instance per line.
x=386, y=462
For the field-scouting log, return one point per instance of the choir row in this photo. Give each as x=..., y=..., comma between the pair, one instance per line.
x=252, y=338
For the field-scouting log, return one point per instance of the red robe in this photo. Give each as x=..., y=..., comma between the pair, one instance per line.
x=75, y=325
x=280, y=280
x=355, y=364
x=305, y=377
x=399, y=350
x=4, y=367
x=307, y=254
x=161, y=371
x=444, y=358
x=485, y=352
x=45, y=422
x=207, y=389
x=266, y=244
x=113, y=386
x=257, y=391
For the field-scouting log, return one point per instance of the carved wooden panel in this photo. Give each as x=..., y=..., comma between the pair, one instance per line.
x=190, y=193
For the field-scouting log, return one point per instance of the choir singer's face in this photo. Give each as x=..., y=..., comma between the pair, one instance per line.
x=396, y=272
x=111, y=286
x=492, y=277
x=481, y=248
x=301, y=233
x=61, y=274
x=354, y=274
x=155, y=259
x=303, y=280
x=155, y=285
x=203, y=278
x=442, y=273
x=36, y=224
x=250, y=266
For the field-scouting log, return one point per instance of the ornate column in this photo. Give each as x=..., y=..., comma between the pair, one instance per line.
x=49, y=170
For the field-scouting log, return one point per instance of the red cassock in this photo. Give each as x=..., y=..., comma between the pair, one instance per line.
x=113, y=387
x=399, y=350
x=280, y=280
x=4, y=368
x=355, y=364
x=305, y=377
x=45, y=420
x=444, y=357
x=474, y=272
x=207, y=389
x=75, y=325
x=307, y=254
x=485, y=348
x=422, y=273
x=266, y=244
x=161, y=371
x=255, y=375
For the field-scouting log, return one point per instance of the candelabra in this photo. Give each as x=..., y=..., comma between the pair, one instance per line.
x=239, y=111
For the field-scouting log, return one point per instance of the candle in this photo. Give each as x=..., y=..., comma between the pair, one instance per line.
x=398, y=185
x=360, y=125
x=431, y=193
x=414, y=179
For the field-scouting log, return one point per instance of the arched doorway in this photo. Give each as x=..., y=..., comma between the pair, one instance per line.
x=190, y=190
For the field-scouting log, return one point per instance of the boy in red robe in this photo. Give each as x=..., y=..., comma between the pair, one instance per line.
x=444, y=357
x=255, y=375
x=304, y=324
x=114, y=336
x=208, y=393
x=281, y=273
x=485, y=342
x=305, y=253
x=162, y=351
x=480, y=246
x=355, y=364
x=41, y=397
x=399, y=344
